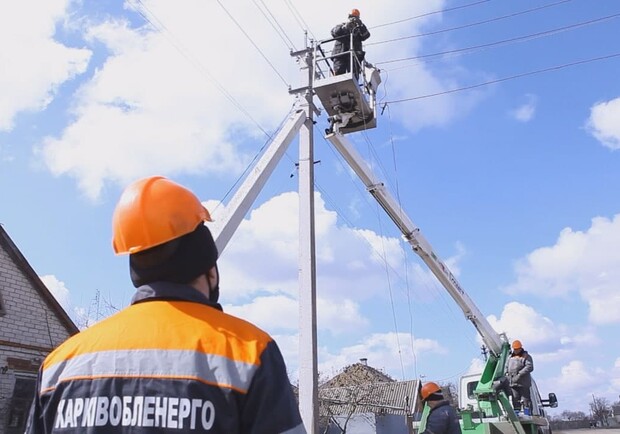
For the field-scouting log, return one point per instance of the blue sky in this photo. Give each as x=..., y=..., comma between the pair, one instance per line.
x=515, y=182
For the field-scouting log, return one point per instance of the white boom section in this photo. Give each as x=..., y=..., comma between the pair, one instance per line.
x=243, y=199
x=414, y=237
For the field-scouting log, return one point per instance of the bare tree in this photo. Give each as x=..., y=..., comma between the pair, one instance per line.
x=341, y=409
x=600, y=409
x=449, y=392
x=573, y=415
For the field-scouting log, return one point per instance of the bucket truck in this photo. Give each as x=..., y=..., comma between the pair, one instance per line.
x=484, y=405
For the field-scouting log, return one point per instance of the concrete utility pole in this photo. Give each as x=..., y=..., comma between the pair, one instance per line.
x=308, y=370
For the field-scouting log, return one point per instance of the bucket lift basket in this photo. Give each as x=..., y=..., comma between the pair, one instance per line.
x=349, y=100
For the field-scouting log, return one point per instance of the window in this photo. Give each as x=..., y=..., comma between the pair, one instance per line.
x=471, y=386
x=23, y=393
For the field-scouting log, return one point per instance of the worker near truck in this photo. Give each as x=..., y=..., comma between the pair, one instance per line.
x=442, y=418
x=351, y=31
x=518, y=371
x=172, y=361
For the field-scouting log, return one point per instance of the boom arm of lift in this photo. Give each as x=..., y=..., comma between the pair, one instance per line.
x=414, y=237
x=489, y=393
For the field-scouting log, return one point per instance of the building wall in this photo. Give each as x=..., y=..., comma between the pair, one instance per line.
x=370, y=423
x=29, y=330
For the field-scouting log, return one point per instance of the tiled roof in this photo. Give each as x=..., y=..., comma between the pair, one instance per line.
x=395, y=397
x=360, y=388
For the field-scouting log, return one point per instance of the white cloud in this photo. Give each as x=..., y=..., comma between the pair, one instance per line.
x=577, y=382
x=58, y=290
x=523, y=322
x=279, y=312
x=34, y=64
x=382, y=352
x=526, y=111
x=270, y=313
x=575, y=376
x=604, y=123
x=263, y=254
x=584, y=262
x=164, y=100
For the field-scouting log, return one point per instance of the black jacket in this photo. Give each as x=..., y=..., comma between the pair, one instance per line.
x=170, y=362
x=442, y=419
x=342, y=34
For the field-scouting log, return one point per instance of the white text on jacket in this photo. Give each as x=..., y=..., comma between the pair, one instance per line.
x=157, y=411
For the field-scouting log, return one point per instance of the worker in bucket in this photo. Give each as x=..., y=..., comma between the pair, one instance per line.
x=351, y=31
x=172, y=361
x=518, y=371
x=442, y=418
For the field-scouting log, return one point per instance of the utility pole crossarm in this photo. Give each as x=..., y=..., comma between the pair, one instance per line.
x=419, y=244
x=243, y=199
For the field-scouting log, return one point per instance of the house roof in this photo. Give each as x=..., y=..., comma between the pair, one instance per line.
x=395, y=397
x=360, y=388
x=9, y=246
x=358, y=373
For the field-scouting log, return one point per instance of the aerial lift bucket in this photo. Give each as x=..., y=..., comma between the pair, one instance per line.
x=349, y=100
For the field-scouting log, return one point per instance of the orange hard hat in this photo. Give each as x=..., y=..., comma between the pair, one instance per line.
x=428, y=389
x=152, y=211
x=516, y=344
x=355, y=12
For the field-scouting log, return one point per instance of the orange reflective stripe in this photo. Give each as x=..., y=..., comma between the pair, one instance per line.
x=169, y=325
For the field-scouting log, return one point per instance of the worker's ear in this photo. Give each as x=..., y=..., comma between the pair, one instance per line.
x=212, y=272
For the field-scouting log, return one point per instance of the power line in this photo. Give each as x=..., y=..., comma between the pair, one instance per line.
x=298, y=17
x=281, y=32
x=506, y=41
x=465, y=26
x=251, y=163
x=539, y=71
x=252, y=42
x=198, y=65
x=405, y=256
x=431, y=13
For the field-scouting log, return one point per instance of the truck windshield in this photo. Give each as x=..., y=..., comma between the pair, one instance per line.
x=470, y=389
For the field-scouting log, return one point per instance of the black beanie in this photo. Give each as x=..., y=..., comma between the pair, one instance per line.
x=180, y=260
x=437, y=396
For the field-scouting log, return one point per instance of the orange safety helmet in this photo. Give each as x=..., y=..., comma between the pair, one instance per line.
x=355, y=13
x=153, y=211
x=428, y=389
x=516, y=345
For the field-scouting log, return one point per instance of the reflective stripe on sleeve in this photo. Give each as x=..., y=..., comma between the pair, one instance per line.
x=152, y=363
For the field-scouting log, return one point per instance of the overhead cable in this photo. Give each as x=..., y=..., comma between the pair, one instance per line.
x=160, y=27
x=506, y=41
x=298, y=17
x=465, y=26
x=252, y=42
x=431, y=13
x=512, y=77
x=280, y=31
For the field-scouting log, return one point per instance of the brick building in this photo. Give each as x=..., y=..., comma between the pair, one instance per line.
x=32, y=323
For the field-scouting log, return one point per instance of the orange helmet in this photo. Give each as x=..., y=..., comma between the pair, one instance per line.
x=355, y=13
x=152, y=211
x=428, y=389
x=516, y=345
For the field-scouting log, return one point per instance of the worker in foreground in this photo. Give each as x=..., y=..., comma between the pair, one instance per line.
x=518, y=370
x=173, y=361
x=442, y=418
x=353, y=31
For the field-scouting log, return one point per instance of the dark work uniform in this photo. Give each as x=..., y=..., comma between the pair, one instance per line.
x=442, y=419
x=518, y=370
x=170, y=362
x=342, y=33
